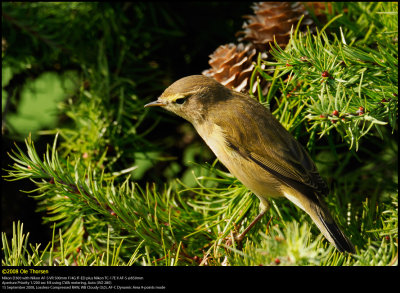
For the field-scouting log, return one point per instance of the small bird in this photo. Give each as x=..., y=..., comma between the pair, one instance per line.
x=254, y=147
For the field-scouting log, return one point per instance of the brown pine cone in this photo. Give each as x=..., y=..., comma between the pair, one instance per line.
x=232, y=66
x=273, y=19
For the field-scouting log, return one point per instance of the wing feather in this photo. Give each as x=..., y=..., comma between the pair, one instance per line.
x=267, y=143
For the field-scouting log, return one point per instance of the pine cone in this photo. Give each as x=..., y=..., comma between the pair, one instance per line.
x=232, y=66
x=273, y=19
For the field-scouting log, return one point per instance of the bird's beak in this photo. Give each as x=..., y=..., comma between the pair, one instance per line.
x=155, y=104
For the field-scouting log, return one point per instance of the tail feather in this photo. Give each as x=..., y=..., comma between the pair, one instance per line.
x=319, y=213
x=341, y=242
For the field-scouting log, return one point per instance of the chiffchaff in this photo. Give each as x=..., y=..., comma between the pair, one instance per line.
x=254, y=147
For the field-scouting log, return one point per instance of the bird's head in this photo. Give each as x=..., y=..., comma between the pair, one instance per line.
x=191, y=97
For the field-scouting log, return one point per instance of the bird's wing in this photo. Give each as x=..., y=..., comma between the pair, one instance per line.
x=287, y=160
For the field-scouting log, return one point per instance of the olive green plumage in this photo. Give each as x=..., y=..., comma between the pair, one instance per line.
x=254, y=147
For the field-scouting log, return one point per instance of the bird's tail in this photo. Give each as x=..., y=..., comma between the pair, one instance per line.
x=324, y=221
x=332, y=232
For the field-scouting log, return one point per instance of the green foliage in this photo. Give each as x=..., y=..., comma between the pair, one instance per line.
x=91, y=206
x=351, y=88
x=173, y=229
x=366, y=22
x=20, y=254
x=35, y=110
x=289, y=247
x=94, y=183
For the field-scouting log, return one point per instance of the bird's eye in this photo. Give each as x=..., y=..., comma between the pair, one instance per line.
x=180, y=101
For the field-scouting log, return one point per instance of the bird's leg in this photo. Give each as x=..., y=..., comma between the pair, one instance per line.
x=264, y=207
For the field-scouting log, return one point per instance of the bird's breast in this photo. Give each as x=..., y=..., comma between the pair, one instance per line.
x=250, y=174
